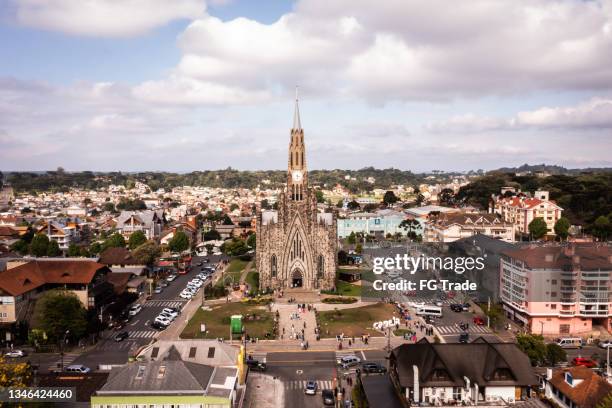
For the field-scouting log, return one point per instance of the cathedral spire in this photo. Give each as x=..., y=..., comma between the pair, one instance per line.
x=297, y=125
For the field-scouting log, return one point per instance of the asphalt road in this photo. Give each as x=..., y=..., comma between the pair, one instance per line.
x=108, y=351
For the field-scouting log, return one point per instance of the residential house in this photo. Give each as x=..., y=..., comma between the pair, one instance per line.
x=149, y=221
x=463, y=374
x=63, y=234
x=558, y=289
x=450, y=227
x=576, y=387
x=521, y=209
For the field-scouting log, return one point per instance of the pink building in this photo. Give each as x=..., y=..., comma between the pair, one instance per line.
x=558, y=289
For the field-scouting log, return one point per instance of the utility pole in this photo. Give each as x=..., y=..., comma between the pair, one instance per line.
x=489, y=312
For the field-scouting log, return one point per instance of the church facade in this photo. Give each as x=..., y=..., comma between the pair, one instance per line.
x=296, y=244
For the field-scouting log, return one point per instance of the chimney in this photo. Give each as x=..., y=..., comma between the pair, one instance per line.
x=416, y=391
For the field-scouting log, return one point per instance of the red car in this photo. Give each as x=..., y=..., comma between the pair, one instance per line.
x=479, y=321
x=585, y=362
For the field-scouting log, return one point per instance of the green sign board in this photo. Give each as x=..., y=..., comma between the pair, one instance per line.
x=236, y=324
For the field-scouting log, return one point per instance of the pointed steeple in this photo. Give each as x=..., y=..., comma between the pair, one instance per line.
x=297, y=125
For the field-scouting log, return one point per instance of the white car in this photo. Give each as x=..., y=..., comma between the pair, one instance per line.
x=416, y=305
x=191, y=288
x=134, y=310
x=167, y=315
x=170, y=278
x=186, y=295
x=16, y=354
x=163, y=320
x=170, y=311
x=196, y=282
x=605, y=344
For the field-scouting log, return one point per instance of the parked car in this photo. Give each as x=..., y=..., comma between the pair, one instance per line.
x=186, y=295
x=16, y=354
x=158, y=325
x=172, y=310
x=464, y=338
x=167, y=315
x=163, y=283
x=134, y=309
x=170, y=278
x=256, y=365
x=605, y=343
x=78, y=368
x=328, y=397
x=163, y=320
x=585, y=362
x=478, y=320
x=158, y=289
x=373, y=368
x=121, y=336
x=311, y=388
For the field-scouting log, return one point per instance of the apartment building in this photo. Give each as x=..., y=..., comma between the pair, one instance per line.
x=63, y=234
x=382, y=222
x=520, y=209
x=451, y=227
x=558, y=289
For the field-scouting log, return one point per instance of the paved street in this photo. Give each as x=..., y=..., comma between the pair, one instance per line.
x=108, y=351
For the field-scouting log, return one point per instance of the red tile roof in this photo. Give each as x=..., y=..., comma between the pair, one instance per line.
x=589, y=256
x=588, y=393
x=33, y=274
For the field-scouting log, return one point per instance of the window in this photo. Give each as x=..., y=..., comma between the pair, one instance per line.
x=154, y=352
x=192, y=352
x=140, y=373
x=211, y=352
x=553, y=307
x=320, y=266
x=273, y=266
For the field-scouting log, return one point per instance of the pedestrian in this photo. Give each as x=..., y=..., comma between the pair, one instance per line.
x=350, y=344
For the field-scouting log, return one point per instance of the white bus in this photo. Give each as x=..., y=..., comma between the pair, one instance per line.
x=429, y=311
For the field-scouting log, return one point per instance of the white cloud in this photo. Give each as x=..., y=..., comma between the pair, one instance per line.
x=104, y=18
x=593, y=114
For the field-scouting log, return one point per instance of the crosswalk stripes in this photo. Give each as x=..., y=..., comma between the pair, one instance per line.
x=301, y=384
x=164, y=303
x=68, y=359
x=444, y=330
x=142, y=334
x=344, y=353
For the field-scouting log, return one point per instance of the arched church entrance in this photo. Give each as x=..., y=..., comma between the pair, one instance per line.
x=297, y=279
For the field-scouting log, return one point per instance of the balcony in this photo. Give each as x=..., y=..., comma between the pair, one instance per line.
x=567, y=312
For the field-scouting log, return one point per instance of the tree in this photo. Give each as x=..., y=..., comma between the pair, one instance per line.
x=265, y=204
x=562, y=228
x=53, y=248
x=234, y=247
x=252, y=240
x=320, y=196
x=420, y=198
x=601, y=227
x=212, y=235
x=537, y=228
x=409, y=225
x=359, y=248
x=58, y=311
x=447, y=197
x=606, y=402
x=342, y=257
x=20, y=246
x=147, y=253
x=353, y=205
x=234, y=206
x=494, y=313
x=352, y=238
x=15, y=375
x=110, y=207
x=95, y=248
x=227, y=220
x=532, y=345
x=390, y=198
x=73, y=251
x=340, y=203
x=136, y=239
x=114, y=241
x=179, y=242
x=39, y=245
x=555, y=354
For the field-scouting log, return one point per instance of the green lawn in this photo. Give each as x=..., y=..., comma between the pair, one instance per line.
x=252, y=279
x=257, y=321
x=355, y=321
x=233, y=272
x=348, y=289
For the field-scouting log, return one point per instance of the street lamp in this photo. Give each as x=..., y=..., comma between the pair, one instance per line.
x=64, y=339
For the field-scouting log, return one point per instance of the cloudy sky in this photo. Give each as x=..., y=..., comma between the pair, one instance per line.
x=182, y=85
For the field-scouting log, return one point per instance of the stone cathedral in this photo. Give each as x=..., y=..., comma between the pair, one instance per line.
x=296, y=245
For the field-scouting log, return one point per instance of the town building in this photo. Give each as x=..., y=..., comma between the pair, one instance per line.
x=576, y=387
x=461, y=374
x=558, y=289
x=296, y=245
x=379, y=223
x=520, y=209
x=167, y=382
x=449, y=227
x=63, y=234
